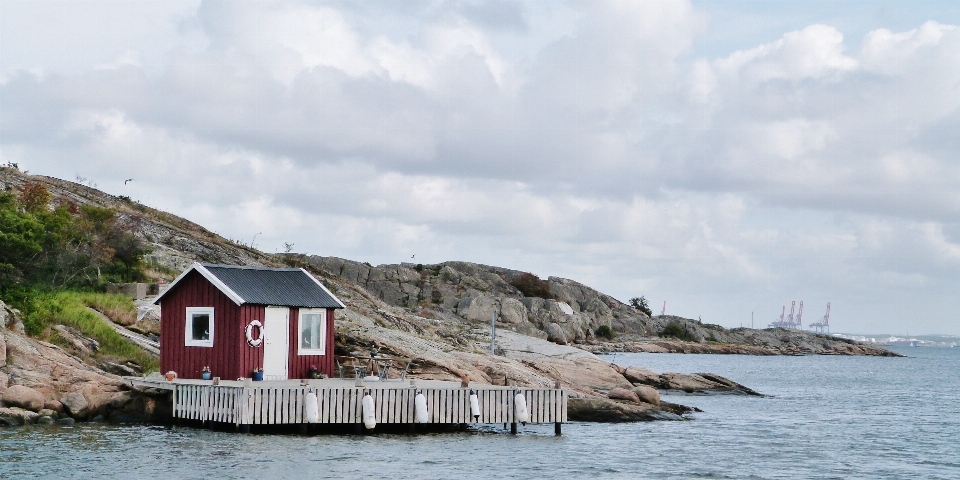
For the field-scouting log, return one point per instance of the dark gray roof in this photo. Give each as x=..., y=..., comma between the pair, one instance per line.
x=286, y=287
x=291, y=287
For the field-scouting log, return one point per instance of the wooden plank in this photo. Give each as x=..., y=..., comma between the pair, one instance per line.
x=396, y=412
x=268, y=403
x=563, y=403
x=442, y=406
x=261, y=406
x=538, y=401
x=274, y=406
x=298, y=406
x=323, y=400
x=188, y=402
x=196, y=402
x=382, y=403
x=486, y=408
x=302, y=399
x=257, y=405
x=214, y=394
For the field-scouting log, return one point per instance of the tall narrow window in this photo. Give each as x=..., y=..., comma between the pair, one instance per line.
x=199, y=328
x=313, y=331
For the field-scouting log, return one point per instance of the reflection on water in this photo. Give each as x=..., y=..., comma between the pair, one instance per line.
x=828, y=417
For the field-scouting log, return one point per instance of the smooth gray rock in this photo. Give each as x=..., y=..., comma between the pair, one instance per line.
x=66, y=421
x=75, y=404
x=45, y=420
x=555, y=334
x=46, y=412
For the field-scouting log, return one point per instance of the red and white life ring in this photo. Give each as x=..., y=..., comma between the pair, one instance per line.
x=254, y=342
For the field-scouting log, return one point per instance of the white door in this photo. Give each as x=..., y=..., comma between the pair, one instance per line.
x=276, y=324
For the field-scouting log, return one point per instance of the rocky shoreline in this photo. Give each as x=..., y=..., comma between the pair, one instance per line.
x=42, y=383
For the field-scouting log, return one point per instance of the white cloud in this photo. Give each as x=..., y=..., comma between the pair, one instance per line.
x=575, y=140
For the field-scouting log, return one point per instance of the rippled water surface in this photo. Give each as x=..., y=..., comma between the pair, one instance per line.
x=827, y=417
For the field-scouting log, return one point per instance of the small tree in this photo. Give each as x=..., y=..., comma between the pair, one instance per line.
x=640, y=303
x=34, y=197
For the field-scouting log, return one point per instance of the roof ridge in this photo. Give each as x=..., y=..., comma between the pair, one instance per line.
x=251, y=267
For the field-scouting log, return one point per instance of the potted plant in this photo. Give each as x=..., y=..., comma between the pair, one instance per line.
x=206, y=373
x=315, y=372
x=258, y=374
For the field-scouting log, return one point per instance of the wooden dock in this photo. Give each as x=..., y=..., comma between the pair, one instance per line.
x=340, y=402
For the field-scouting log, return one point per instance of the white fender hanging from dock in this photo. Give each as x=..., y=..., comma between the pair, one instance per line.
x=369, y=420
x=312, y=408
x=421, y=414
x=474, y=406
x=521, y=408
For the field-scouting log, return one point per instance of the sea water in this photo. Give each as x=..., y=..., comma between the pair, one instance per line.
x=824, y=417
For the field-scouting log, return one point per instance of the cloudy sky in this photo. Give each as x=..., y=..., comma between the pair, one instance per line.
x=727, y=157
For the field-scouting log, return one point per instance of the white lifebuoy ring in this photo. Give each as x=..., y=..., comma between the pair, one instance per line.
x=254, y=342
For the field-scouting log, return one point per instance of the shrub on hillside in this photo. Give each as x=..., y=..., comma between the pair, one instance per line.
x=604, y=331
x=530, y=285
x=674, y=330
x=63, y=247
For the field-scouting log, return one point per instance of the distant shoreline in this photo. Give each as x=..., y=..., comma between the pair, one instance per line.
x=792, y=345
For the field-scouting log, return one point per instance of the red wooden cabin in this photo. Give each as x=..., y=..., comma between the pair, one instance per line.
x=235, y=319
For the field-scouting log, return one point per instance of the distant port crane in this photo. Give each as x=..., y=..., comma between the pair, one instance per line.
x=789, y=321
x=823, y=326
x=778, y=323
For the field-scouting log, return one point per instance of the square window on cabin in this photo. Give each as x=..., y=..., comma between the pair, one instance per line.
x=313, y=331
x=199, y=327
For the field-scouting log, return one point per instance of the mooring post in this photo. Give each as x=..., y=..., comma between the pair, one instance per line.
x=513, y=428
x=556, y=428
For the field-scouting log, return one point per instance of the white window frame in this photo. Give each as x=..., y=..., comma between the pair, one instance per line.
x=323, y=331
x=188, y=331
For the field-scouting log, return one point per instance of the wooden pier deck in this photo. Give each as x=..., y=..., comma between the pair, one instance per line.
x=340, y=402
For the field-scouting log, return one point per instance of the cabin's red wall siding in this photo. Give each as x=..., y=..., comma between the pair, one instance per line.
x=298, y=366
x=195, y=291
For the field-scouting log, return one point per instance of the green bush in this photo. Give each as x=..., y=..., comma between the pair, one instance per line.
x=68, y=246
x=604, y=331
x=674, y=330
